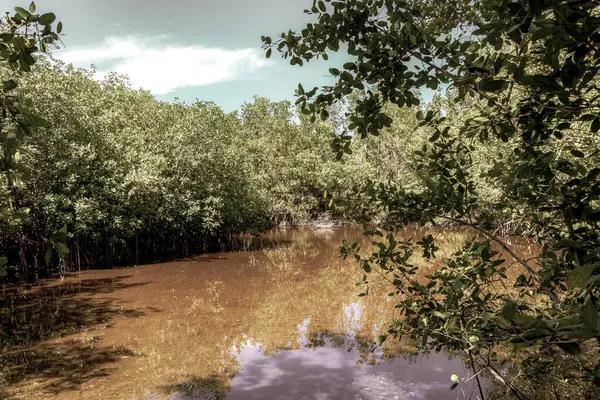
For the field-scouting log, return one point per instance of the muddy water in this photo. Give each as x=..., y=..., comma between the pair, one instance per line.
x=280, y=320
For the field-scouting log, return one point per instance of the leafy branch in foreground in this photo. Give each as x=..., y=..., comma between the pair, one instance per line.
x=22, y=35
x=526, y=74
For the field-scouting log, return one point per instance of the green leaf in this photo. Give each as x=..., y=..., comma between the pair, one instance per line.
x=384, y=119
x=425, y=336
x=48, y=253
x=28, y=58
x=579, y=276
x=346, y=76
x=530, y=335
x=494, y=85
x=32, y=7
x=37, y=121
x=59, y=27
x=595, y=125
x=61, y=249
x=593, y=174
x=58, y=237
x=486, y=316
x=322, y=6
x=23, y=65
x=509, y=310
x=268, y=51
x=22, y=12
x=3, y=272
x=9, y=85
x=432, y=84
x=47, y=19
x=596, y=370
x=441, y=315
x=540, y=81
x=542, y=33
x=536, y=7
x=593, y=281
x=3, y=261
x=577, y=153
x=589, y=314
x=7, y=37
x=570, y=347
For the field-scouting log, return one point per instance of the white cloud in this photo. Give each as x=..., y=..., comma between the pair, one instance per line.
x=152, y=63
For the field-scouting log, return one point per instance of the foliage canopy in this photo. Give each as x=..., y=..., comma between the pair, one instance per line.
x=524, y=77
x=23, y=34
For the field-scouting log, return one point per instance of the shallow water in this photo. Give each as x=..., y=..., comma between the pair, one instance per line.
x=328, y=371
x=280, y=320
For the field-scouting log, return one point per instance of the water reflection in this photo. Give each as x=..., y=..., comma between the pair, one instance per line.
x=327, y=366
x=281, y=320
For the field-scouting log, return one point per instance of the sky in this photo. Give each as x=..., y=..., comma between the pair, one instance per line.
x=206, y=50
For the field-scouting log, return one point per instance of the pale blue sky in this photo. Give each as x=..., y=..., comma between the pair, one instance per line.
x=208, y=50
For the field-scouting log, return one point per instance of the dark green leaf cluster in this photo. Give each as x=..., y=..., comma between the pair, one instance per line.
x=523, y=76
x=138, y=180
x=22, y=36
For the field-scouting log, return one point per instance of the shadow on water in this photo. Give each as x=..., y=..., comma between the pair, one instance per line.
x=195, y=388
x=223, y=245
x=249, y=242
x=31, y=319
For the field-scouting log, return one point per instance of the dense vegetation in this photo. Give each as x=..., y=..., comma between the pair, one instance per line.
x=105, y=174
x=135, y=179
x=524, y=74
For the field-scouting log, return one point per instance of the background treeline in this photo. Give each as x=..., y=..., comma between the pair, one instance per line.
x=137, y=180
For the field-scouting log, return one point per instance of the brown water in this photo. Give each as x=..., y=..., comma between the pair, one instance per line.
x=279, y=321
